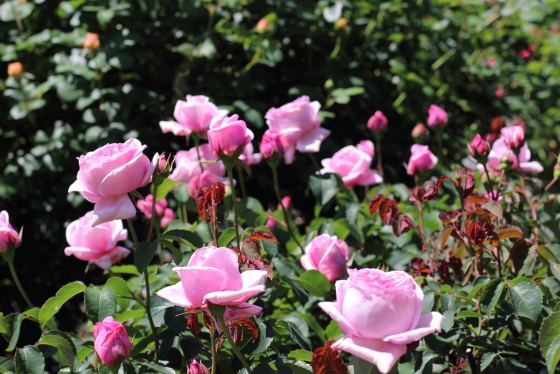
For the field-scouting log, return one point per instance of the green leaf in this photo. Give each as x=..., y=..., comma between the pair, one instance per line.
x=4, y=325
x=486, y=360
x=315, y=326
x=29, y=360
x=125, y=269
x=266, y=336
x=550, y=331
x=344, y=225
x=315, y=282
x=468, y=314
x=300, y=355
x=144, y=254
x=448, y=321
x=226, y=237
x=185, y=236
x=527, y=300
x=164, y=188
x=491, y=294
x=176, y=252
x=325, y=186
x=53, y=305
x=100, y=303
x=428, y=301
x=448, y=302
x=296, y=334
x=14, y=326
x=553, y=355
x=63, y=343
x=129, y=314
x=121, y=290
x=333, y=330
x=159, y=368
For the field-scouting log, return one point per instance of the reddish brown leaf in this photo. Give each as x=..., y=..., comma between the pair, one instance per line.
x=420, y=269
x=465, y=182
x=388, y=210
x=192, y=323
x=472, y=200
x=263, y=235
x=456, y=264
x=432, y=192
x=328, y=361
x=260, y=264
x=508, y=231
x=401, y=224
x=478, y=232
x=201, y=203
x=411, y=347
x=447, y=217
x=443, y=270
x=236, y=331
x=250, y=326
x=208, y=318
x=251, y=248
x=375, y=202
x=218, y=192
x=498, y=123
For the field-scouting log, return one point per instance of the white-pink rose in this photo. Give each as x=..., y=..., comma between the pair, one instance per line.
x=353, y=166
x=421, y=160
x=228, y=135
x=326, y=254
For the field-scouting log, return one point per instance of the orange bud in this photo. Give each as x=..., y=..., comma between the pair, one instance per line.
x=91, y=41
x=341, y=23
x=263, y=25
x=15, y=69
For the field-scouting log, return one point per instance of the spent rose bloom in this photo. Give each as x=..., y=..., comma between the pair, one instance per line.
x=436, y=117
x=421, y=160
x=8, y=236
x=168, y=216
x=502, y=153
x=380, y=313
x=377, y=122
x=513, y=136
x=145, y=206
x=298, y=124
x=353, y=166
x=187, y=165
x=97, y=244
x=367, y=147
x=212, y=274
x=193, y=115
x=271, y=142
x=108, y=174
x=111, y=341
x=227, y=135
x=326, y=254
x=478, y=147
x=197, y=368
x=248, y=157
x=418, y=131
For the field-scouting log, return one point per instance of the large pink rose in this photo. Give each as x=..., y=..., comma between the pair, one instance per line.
x=96, y=244
x=111, y=341
x=197, y=368
x=193, y=115
x=353, y=166
x=108, y=174
x=421, y=160
x=327, y=254
x=501, y=152
x=8, y=236
x=187, y=164
x=380, y=313
x=299, y=124
x=212, y=274
x=227, y=135
x=436, y=116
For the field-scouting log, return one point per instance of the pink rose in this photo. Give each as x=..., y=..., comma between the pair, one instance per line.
x=187, y=165
x=270, y=223
x=248, y=157
x=499, y=92
x=197, y=368
x=380, y=313
x=96, y=244
x=491, y=62
x=298, y=124
x=418, y=131
x=421, y=160
x=8, y=236
x=366, y=146
x=377, y=122
x=212, y=274
x=271, y=143
x=111, y=341
x=193, y=115
x=108, y=174
x=145, y=206
x=326, y=254
x=353, y=166
x=502, y=153
x=478, y=147
x=206, y=179
x=436, y=116
x=228, y=135
x=168, y=216
x=524, y=54
x=287, y=202
x=513, y=136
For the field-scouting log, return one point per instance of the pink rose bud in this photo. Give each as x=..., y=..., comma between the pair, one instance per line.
x=500, y=92
x=326, y=254
x=162, y=164
x=491, y=62
x=212, y=274
x=353, y=166
x=263, y=25
x=513, y=136
x=187, y=164
x=193, y=115
x=366, y=146
x=228, y=136
x=97, y=244
x=168, y=216
x=380, y=313
x=436, y=117
x=287, y=202
x=524, y=54
x=418, y=131
x=298, y=124
x=478, y=147
x=197, y=368
x=377, y=122
x=145, y=206
x=248, y=157
x=206, y=179
x=111, y=342
x=270, y=223
x=271, y=143
x=108, y=174
x=532, y=47
x=15, y=69
x=421, y=160
x=8, y=236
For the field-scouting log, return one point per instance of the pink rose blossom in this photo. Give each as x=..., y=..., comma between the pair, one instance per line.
x=418, y=131
x=168, y=216
x=287, y=202
x=478, y=147
x=187, y=164
x=298, y=124
x=500, y=92
x=193, y=115
x=8, y=236
x=197, y=368
x=271, y=143
x=206, y=179
x=367, y=147
x=212, y=274
x=353, y=166
x=491, y=62
x=248, y=157
x=513, y=136
x=490, y=195
x=227, y=135
x=97, y=244
x=377, y=122
x=270, y=223
x=111, y=341
x=380, y=313
x=326, y=254
x=501, y=152
x=421, y=160
x=436, y=117
x=145, y=206
x=108, y=174
x=524, y=54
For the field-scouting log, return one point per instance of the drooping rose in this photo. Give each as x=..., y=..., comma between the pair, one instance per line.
x=187, y=164
x=8, y=236
x=437, y=117
x=108, y=174
x=353, y=166
x=380, y=313
x=228, y=135
x=513, y=136
x=421, y=160
x=326, y=254
x=377, y=122
x=97, y=244
x=111, y=341
x=366, y=146
x=298, y=124
x=271, y=143
x=478, y=147
x=193, y=115
x=248, y=157
x=502, y=153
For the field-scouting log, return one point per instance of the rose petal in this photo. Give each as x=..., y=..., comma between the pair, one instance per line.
x=175, y=295
x=331, y=308
x=114, y=256
x=428, y=323
x=307, y=262
x=174, y=127
x=311, y=141
x=381, y=354
x=84, y=254
x=252, y=278
x=233, y=297
x=532, y=166
x=125, y=178
x=200, y=281
x=111, y=208
x=77, y=187
x=247, y=310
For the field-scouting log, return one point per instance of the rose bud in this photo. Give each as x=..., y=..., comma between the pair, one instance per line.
x=500, y=92
x=91, y=41
x=377, y=122
x=421, y=160
x=287, y=202
x=197, y=368
x=524, y=54
x=491, y=62
x=327, y=254
x=513, y=136
x=15, y=69
x=271, y=144
x=270, y=223
x=263, y=25
x=419, y=131
x=8, y=236
x=436, y=116
x=478, y=147
x=111, y=342
x=228, y=136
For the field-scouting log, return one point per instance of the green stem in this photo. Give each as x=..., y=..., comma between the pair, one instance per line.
x=196, y=142
x=241, y=181
x=133, y=232
x=491, y=192
x=16, y=280
x=379, y=160
x=229, y=166
x=154, y=196
x=314, y=161
x=213, y=349
x=279, y=197
x=232, y=343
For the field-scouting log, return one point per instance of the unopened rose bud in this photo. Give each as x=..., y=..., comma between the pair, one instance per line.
x=162, y=163
x=15, y=69
x=91, y=41
x=197, y=368
x=341, y=23
x=500, y=92
x=287, y=202
x=111, y=341
x=263, y=25
x=478, y=147
x=513, y=136
x=377, y=122
x=270, y=223
x=419, y=131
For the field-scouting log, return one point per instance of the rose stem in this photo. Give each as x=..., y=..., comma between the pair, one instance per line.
x=241, y=181
x=274, y=166
x=154, y=197
x=196, y=141
x=379, y=161
x=314, y=161
x=232, y=343
x=213, y=349
x=228, y=162
x=9, y=257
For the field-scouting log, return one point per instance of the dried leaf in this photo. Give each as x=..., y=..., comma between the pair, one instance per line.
x=252, y=249
x=250, y=326
x=328, y=361
x=192, y=323
x=509, y=231
x=263, y=235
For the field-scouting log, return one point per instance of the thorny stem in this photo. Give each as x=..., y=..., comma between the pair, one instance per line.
x=274, y=168
x=229, y=167
x=213, y=349
x=10, y=260
x=494, y=197
x=232, y=343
